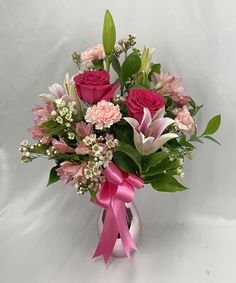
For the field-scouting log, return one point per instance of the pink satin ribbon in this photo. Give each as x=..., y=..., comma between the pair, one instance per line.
x=116, y=191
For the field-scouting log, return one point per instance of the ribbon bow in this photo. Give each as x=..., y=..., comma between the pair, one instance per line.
x=117, y=190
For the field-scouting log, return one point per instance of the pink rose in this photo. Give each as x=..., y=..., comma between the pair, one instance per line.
x=139, y=98
x=43, y=113
x=184, y=121
x=93, y=53
x=94, y=86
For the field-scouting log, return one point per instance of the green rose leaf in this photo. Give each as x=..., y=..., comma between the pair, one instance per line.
x=161, y=167
x=55, y=131
x=98, y=64
x=109, y=33
x=152, y=159
x=53, y=177
x=130, y=66
x=167, y=183
x=155, y=68
x=115, y=64
x=185, y=143
x=131, y=152
x=125, y=163
x=212, y=126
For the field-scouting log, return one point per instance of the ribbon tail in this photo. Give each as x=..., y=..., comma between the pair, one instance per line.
x=127, y=240
x=108, y=236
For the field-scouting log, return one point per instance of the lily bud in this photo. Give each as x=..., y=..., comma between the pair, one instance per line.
x=146, y=59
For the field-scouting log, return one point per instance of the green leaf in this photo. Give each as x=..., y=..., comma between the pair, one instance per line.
x=212, y=139
x=53, y=176
x=124, y=133
x=130, y=66
x=137, y=86
x=54, y=131
x=124, y=162
x=50, y=124
x=167, y=183
x=115, y=64
x=155, y=68
x=98, y=64
x=131, y=152
x=196, y=139
x=185, y=143
x=212, y=126
x=152, y=159
x=161, y=167
x=109, y=33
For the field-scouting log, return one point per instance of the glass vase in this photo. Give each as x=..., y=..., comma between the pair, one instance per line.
x=134, y=224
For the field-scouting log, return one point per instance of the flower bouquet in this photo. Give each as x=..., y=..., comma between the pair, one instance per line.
x=110, y=138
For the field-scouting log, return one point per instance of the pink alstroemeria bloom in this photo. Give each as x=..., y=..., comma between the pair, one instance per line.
x=70, y=173
x=167, y=84
x=38, y=134
x=43, y=113
x=84, y=129
x=82, y=148
x=61, y=146
x=147, y=134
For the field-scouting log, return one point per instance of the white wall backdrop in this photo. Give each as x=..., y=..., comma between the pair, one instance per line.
x=49, y=235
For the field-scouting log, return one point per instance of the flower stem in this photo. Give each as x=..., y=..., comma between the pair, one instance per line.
x=108, y=64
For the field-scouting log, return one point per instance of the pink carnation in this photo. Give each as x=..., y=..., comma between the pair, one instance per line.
x=93, y=53
x=184, y=121
x=103, y=115
x=61, y=146
x=43, y=113
x=71, y=173
x=38, y=134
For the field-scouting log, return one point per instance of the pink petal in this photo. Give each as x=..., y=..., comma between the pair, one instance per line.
x=159, y=114
x=146, y=121
x=158, y=143
x=57, y=90
x=133, y=122
x=157, y=127
x=111, y=93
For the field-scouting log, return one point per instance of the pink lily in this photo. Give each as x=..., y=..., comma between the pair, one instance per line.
x=147, y=134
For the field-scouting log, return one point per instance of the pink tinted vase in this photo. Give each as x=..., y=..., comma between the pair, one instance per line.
x=134, y=224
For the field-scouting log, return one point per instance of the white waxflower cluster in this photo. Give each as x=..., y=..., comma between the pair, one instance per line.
x=172, y=157
x=64, y=114
x=100, y=150
x=124, y=44
x=29, y=152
